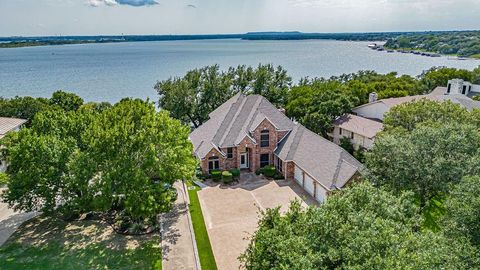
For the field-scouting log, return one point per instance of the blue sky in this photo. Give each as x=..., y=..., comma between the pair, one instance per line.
x=92, y=17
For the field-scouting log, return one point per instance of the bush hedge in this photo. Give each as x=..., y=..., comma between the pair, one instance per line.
x=216, y=175
x=269, y=171
x=235, y=172
x=227, y=177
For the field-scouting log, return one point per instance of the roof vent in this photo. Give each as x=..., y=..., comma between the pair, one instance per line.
x=372, y=97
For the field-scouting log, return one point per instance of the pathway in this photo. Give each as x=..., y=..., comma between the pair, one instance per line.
x=11, y=220
x=178, y=239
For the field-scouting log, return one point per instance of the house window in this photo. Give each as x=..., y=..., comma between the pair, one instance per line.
x=265, y=138
x=449, y=87
x=339, y=131
x=264, y=160
x=279, y=164
x=213, y=164
x=352, y=135
x=230, y=152
x=464, y=89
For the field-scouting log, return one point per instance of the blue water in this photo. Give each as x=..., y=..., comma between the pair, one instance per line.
x=109, y=72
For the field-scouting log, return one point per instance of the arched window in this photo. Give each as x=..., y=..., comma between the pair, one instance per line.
x=264, y=138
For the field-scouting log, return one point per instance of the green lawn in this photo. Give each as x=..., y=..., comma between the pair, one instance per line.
x=207, y=261
x=47, y=243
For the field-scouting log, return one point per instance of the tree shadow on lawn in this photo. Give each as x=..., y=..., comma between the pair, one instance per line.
x=50, y=243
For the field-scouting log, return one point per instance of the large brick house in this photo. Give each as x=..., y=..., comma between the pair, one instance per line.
x=248, y=132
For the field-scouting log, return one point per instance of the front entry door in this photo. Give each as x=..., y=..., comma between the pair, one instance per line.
x=243, y=160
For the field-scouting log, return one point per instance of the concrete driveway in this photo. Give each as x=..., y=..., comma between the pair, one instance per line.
x=231, y=213
x=11, y=220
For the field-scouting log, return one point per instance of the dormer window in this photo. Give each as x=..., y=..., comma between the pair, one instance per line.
x=265, y=138
x=230, y=152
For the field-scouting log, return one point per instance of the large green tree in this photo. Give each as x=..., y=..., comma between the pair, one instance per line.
x=359, y=228
x=427, y=161
x=28, y=107
x=411, y=114
x=462, y=216
x=66, y=101
x=318, y=104
x=439, y=76
x=23, y=107
x=120, y=161
x=192, y=97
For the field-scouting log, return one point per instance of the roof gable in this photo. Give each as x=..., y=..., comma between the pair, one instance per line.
x=233, y=120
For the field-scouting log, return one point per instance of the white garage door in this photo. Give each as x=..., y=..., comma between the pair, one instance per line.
x=321, y=193
x=309, y=184
x=298, y=175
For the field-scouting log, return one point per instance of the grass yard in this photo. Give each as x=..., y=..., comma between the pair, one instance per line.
x=207, y=260
x=48, y=243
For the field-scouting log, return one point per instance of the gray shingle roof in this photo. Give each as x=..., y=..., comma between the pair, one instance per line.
x=230, y=123
x=328, y=163
x=359, y=125
x=234, y=120
x=9, y=124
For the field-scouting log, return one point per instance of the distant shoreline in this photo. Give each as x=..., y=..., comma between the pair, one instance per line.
x=394, y=41
x=18, y=42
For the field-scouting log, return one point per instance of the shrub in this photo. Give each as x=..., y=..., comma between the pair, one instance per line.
x=346, y=144
x=259, y=171
x=278, y=176
x=269, y=170
x=235, y=172
x=199, y=174
x=3, y=179
x=227, y=177
x=216, y=175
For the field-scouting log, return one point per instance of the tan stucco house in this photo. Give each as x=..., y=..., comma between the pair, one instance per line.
x=365, y=121
x=248, y=132
x=8, y=125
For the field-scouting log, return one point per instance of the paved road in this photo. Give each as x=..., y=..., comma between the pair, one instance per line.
x=10, y=220
x=178, y=240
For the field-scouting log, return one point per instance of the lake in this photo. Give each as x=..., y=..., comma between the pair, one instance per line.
x=109, y=72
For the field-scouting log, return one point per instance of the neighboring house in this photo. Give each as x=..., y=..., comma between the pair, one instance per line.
x=8, y=125
x=248, y=132
x=360, y=130
x=366, y=120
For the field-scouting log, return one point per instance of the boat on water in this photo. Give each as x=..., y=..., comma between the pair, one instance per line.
x=372, y=45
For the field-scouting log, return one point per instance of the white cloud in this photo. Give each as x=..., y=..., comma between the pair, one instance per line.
x=96, y=3
x=134, y=3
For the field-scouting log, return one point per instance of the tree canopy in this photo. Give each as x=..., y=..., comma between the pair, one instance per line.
x=192, y=97
x=27, y=107
x=121, y=161
x=359, y=228
x=410, y=115
x=462, y=217
x=426, y=161
x=463, y=43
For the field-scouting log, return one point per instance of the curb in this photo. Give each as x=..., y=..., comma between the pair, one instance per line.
x=192, y=232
